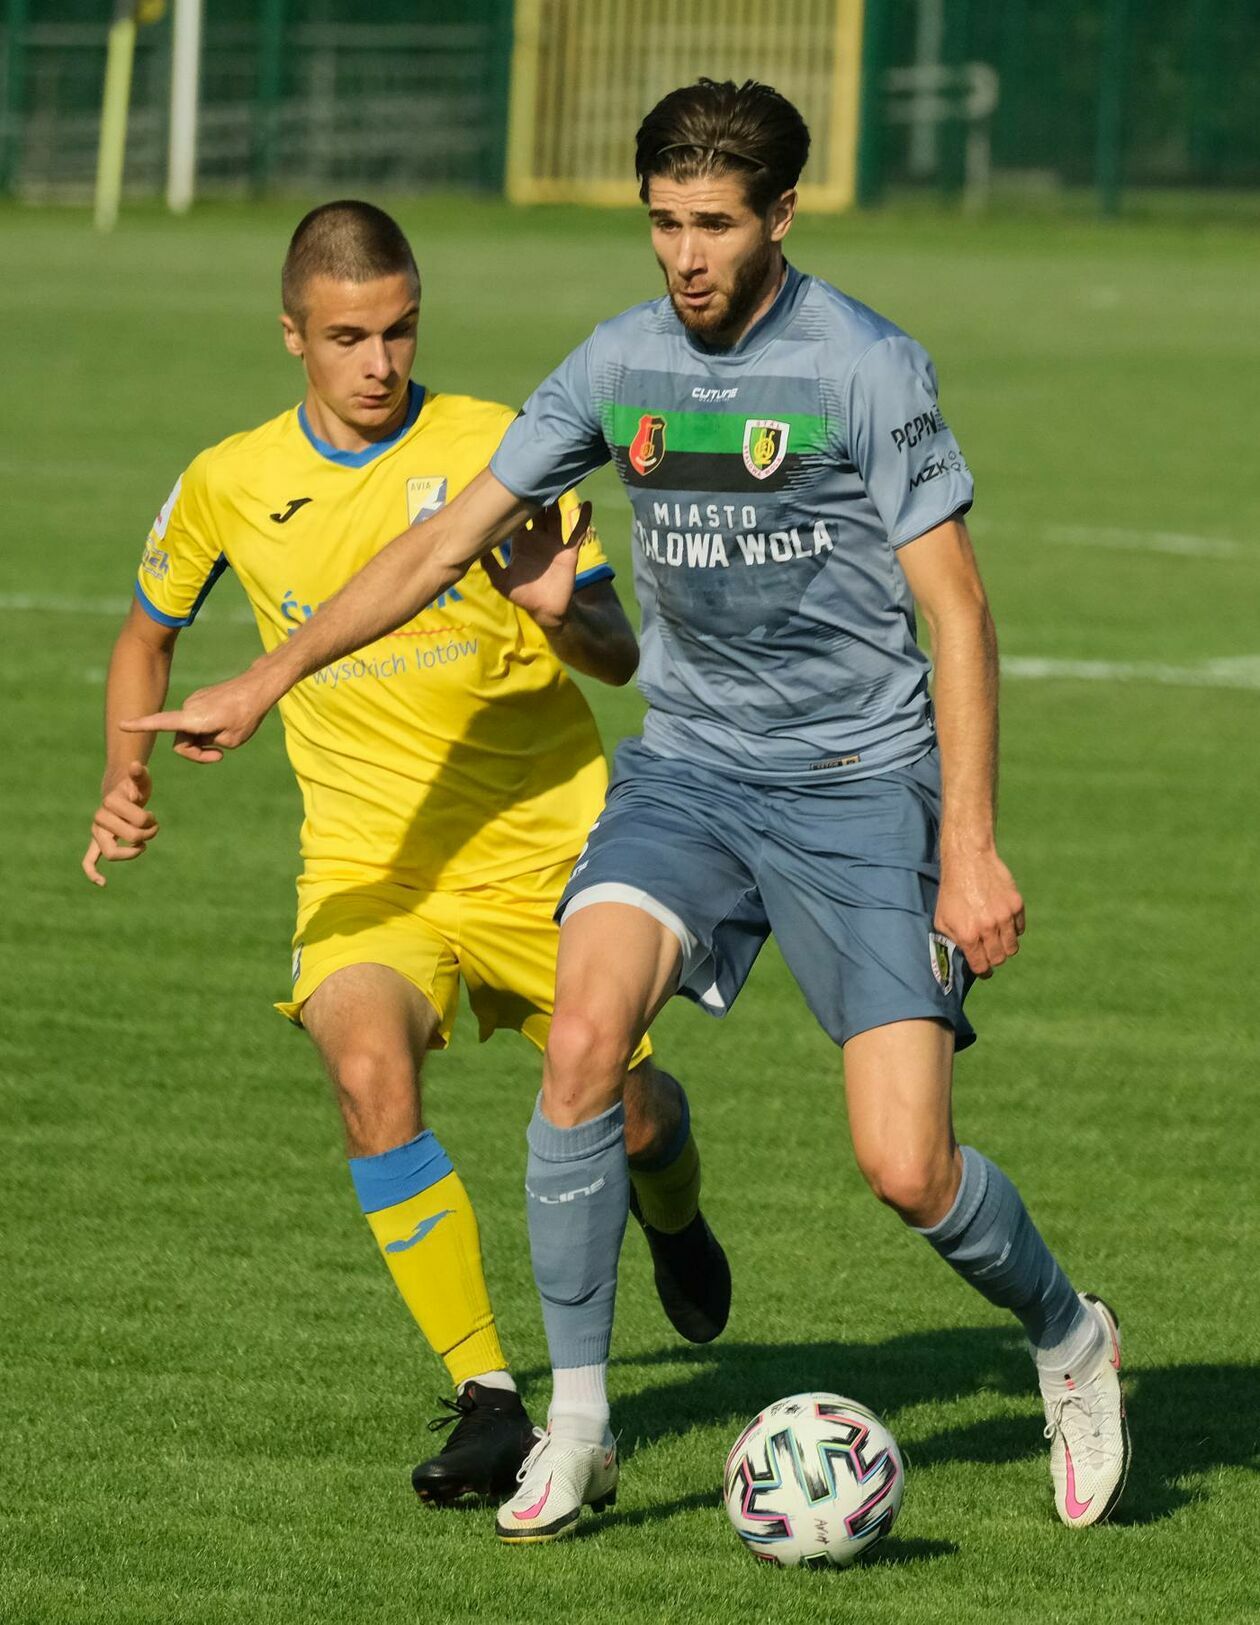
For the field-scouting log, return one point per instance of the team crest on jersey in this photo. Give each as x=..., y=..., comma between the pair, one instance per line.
x=425, y=496
x=765, y=446
x=941, y=953
x=647, y=449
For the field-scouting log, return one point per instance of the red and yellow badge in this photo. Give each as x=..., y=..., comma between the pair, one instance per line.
x=647, y=449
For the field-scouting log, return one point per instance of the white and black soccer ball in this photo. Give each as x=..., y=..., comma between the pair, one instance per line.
x=813, y=1481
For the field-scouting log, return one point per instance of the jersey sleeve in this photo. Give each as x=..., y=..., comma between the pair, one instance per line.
x=557, y=440
x=899, y=442
x=181, y=560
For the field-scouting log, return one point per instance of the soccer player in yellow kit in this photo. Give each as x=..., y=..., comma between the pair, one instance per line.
x=450, y=773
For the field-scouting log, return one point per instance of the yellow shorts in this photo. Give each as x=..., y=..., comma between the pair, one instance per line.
x=501, y=939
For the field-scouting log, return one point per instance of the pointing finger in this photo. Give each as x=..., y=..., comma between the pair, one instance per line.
x=158, y=722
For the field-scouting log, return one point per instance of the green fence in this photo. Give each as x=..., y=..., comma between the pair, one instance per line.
x=313, y=95
x=1106, y=93
x=295, y=94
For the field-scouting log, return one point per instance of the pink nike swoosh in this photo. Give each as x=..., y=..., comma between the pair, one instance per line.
x=539, y=1504
x=1074, y=1508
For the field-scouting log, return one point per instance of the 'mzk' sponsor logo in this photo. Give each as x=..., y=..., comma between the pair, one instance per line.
x=937, y=467
x=765, y=446
x=647, y=449
x=913, y=433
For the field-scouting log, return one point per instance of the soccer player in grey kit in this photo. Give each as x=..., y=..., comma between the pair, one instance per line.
x=796, y=493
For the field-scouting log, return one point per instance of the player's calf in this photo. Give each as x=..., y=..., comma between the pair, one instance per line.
x=693, y=1279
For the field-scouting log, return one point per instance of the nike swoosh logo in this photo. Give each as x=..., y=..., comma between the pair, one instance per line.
x=1073, y=1507
x=539, y=1504
x=294, y=505
x=419, y=1233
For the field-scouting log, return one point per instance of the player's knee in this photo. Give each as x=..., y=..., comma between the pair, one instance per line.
x=378, y=1094
x=585, y=1065
x=919, y=1188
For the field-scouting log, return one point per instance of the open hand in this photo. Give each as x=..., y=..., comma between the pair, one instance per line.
x=979, y=908
x=542, y=565
x=212, y=720
x=122, y=826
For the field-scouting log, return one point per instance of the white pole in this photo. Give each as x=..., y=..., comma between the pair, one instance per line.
x=181, y=173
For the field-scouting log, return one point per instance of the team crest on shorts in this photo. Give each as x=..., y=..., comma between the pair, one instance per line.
x=647, y=449
x=425, y=496
x=765, y=446
x=941, y=954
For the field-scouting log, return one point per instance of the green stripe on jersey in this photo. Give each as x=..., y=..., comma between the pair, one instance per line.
x=712, y=431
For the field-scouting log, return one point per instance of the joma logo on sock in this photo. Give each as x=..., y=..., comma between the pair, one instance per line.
x=568, y=1196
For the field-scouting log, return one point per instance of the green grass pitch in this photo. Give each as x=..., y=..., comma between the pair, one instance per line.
x=210, y=1395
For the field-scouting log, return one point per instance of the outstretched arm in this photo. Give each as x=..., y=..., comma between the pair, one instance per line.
x=413, y=570
x=978, y=905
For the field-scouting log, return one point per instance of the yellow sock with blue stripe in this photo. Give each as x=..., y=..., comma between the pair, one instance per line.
x=426, y=1229
x=667, y=1185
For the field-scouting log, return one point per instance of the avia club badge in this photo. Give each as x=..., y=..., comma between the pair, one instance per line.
x=647, y=449
x=765, y=446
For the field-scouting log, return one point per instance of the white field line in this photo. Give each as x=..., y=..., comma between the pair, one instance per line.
x=1239, y=671
x=114, y=608
x=1242, y=671
x=1150, y=541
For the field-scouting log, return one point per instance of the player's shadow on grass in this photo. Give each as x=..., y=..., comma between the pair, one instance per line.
x=1187, y=1421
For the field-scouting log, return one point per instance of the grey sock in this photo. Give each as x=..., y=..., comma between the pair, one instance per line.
x=989, y=1239
x=578, y=1194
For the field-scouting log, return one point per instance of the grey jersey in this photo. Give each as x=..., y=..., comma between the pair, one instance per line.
x=771, y=485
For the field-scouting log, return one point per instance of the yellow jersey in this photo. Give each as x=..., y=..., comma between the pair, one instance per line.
x=454, y=752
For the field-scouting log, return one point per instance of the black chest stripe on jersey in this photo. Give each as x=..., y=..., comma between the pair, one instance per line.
x=720, y=473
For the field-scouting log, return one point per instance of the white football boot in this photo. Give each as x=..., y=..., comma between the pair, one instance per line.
x=558, y=1478
x=1089, y=1438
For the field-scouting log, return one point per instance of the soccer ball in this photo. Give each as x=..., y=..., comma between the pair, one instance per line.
x=813, y=1481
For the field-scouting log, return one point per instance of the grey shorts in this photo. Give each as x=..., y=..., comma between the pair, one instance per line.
x=844, y=875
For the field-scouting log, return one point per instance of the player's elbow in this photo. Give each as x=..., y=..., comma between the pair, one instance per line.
x=622, y=660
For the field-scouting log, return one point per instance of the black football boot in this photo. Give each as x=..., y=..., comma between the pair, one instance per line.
x=693, y=1279
x=490, y=1439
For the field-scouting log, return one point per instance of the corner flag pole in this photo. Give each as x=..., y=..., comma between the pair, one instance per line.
x=181, y=173
x=112, y=147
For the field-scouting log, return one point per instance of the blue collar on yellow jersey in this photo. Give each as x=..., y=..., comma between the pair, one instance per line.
x=357, y=459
